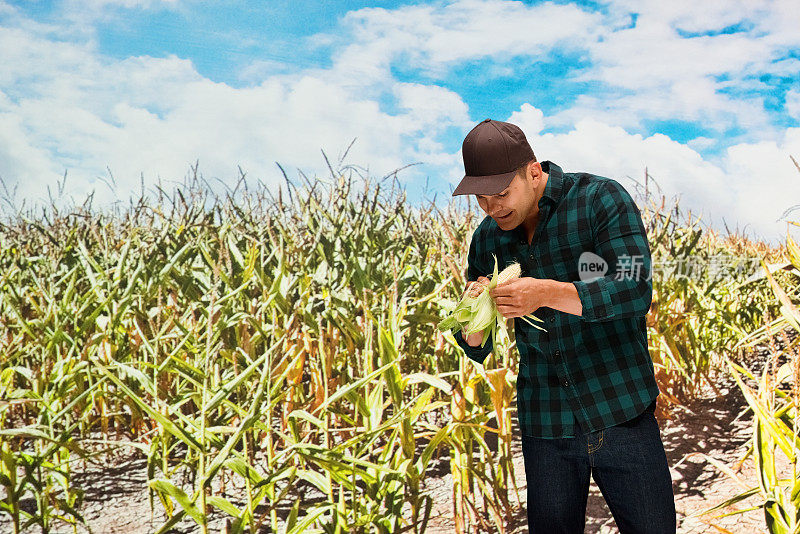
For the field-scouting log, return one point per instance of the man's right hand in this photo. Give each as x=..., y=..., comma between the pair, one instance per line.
x=474, y=289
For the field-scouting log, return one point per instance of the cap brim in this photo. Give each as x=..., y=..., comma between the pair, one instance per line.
x=484, y=185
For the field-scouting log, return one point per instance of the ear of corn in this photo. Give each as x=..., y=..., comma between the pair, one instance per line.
x=483, y=313
x=477, y=311
x=512, y=272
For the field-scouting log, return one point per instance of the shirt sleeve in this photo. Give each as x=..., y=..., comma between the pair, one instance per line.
x=476, y=354
x=621, y=240
x=474, y=270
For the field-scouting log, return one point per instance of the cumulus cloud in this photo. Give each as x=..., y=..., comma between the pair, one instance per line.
x=69, y=108
x=652, y=60
x=19, y=154
x=765, y=180
x=100, y=8
x=529, y=119
x=143, y=4
x=433, y=38
x=678, y=60
x=793, y=103
x=65, y=106
x=741, y=188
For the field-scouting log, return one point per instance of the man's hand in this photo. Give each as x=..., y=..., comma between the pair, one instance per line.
x=474, y=289
x=521, y=296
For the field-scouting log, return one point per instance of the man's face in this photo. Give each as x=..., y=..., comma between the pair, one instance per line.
x=511, y=207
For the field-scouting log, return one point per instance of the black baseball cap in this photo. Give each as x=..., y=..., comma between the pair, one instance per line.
x=492, y=151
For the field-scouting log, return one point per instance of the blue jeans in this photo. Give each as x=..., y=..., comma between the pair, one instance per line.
x=627, y=462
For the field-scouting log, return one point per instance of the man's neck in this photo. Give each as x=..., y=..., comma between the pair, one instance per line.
x=529, y=225
x=530, y=229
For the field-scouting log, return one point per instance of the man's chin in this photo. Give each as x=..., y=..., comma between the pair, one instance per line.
x=506, y=225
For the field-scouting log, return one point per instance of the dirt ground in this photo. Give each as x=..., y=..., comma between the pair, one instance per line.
x=116, y=500
x=713, y=424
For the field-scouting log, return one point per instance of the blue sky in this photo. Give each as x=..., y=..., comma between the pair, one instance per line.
x=705, y=95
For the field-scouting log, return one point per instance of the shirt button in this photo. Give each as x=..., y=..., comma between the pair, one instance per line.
x=565, y=382
x=553, y=319
x=557, y=354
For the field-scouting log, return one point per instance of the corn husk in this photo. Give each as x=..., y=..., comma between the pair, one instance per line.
x=479, y=313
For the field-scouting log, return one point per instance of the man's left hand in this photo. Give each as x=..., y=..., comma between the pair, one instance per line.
x=521, y=296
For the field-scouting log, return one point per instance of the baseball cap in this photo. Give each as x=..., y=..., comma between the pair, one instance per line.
x=492, y=152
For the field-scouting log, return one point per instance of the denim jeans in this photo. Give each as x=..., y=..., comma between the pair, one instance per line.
x=627, y=462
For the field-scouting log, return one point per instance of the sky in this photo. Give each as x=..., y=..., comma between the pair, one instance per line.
x=107, y=96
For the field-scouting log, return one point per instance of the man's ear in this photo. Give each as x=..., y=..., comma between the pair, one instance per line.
x=535, y=170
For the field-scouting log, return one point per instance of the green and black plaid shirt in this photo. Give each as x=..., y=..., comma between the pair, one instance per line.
x=593, y=370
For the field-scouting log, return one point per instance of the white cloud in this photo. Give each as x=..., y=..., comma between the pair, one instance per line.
x=63, y=105
x=74, y=109
x=97, y=6
x=141, y=4
x=650, y=71
x=20, y=156
x=529, y=119
x=654, y=72
x=78, y=18
x=793, y=103
x=428, y=105
x=611, y=151
x=765, y=180
x=700, y=144
x=434, y=38
x=262, y=69
x=742, y=187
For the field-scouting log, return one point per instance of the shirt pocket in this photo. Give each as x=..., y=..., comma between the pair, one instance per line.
x=557, y=256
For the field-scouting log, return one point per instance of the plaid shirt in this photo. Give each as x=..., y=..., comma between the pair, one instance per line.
x=592, y=370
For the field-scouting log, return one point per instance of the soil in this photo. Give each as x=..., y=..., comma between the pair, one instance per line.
x=716, y=424
x=116, y=499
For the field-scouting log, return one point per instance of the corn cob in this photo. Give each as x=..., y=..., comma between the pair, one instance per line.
x=511, y=272
x=477, y=312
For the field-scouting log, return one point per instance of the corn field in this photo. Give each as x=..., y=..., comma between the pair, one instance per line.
x=275, y=358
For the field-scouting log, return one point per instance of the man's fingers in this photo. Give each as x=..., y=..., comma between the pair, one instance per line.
x=505, y=302
x=475, y=288
x=499, y=291
x=507, y=313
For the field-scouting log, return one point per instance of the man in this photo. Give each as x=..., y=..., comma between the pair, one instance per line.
x=586, y=390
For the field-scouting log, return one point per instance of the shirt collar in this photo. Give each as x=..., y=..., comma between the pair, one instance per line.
x=555, y=179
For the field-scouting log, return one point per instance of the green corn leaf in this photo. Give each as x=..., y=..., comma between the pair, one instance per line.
x=310, y=518
x=358, y=384
x=224, y=505
x=168, y=425
x=291, y=521
x=168, y=488
x=243, y=469
x=776, y=428
x=448, y=323
x=431, y=380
